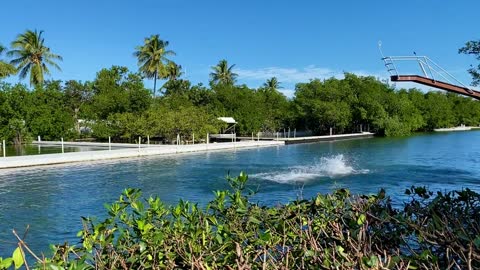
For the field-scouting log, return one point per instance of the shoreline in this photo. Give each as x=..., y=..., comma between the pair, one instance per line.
x=151, y=150
x=142, y=150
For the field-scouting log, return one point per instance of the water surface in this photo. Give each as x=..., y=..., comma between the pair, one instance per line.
x=52, y=199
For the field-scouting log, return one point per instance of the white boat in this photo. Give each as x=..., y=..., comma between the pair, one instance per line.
x=460, y=128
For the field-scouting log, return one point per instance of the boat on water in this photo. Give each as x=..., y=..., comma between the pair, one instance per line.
x=459, y=128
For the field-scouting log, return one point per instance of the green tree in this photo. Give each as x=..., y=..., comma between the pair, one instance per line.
x=32, y=56
x=223, y=74
x=473, y=48
x=152, y=59
x=173, y=71
x=78, y=95
x=116, y=90
x=5, y=68
x=272, y=84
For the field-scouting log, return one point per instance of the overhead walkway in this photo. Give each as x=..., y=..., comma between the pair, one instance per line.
x=431, y=74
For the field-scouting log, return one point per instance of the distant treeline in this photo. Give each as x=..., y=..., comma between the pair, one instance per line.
x=117, y=104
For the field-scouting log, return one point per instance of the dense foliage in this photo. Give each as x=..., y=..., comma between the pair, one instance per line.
x=473, y=47
x=333, y=231
x=116, y=103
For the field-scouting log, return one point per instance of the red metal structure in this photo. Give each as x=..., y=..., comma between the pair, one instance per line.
x=431, y=71
x=437, y=84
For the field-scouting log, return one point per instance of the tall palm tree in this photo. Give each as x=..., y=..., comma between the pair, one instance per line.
x=222, y=73
x=152, y=58
x=272, y=84
x=32, y=56
x=5, y=68
x=174, y=71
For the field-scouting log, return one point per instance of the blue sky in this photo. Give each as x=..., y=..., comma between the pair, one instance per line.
x=293, y=40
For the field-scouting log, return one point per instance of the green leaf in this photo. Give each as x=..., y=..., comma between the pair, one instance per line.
x=17, y=258
x=477, y=242
x=253, y=220
x=361, y=219
x=6, y=263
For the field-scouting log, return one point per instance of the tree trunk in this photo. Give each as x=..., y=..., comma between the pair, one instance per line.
x=155, y=83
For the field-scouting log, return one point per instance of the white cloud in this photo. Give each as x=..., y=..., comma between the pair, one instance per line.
x=288, y=75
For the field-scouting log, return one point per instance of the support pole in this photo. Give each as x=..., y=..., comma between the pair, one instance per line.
x=139, y=143
x=193, y=138
x=295, y=133
x=63, y=147
x=258, y=136
x=330, y=131
x=178, y=139
x=38, y=138
x=148, y=139
x=288, y=132
x=109, y=143
x=208, y=138
x=252, y=137
x=277, y=136
x=4, y=149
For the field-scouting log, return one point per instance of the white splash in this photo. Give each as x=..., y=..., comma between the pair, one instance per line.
x=335, y=166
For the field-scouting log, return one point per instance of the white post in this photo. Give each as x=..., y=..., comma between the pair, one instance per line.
x=39, y=149
x=288, y=132
x=38, y=139
x=277, y=136
x=258, y=136
x=148, y=139
x=295, y=133
x=109, y=144
x=139, y=142
x=63, y=148
x=178, y=139
x=4, y=149
x=283, y=132
x=208, y=138
x=330, y=131
x=193, y=138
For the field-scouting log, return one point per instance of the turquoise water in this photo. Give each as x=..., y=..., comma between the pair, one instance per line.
x=52, y=199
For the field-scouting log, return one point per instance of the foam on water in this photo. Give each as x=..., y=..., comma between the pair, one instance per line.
x=335, y=166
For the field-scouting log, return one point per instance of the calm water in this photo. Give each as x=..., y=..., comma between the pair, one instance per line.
x=52, y=199
x=29, y=149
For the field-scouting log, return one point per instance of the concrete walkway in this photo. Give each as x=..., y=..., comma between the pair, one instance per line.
x=325, y=138
x=49, y=159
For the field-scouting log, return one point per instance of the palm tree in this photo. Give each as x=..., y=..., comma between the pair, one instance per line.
x=222, y=73
x=174, y=71
x=32, y=56
x=152, y=59
x=5, y=68
x=272, y=84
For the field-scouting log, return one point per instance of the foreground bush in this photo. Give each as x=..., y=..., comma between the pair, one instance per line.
x=334, y=231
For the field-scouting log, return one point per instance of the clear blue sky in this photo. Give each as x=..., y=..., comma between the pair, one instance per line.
x=293, y=40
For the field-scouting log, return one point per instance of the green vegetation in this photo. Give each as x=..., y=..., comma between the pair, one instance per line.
x=116, y=103
x=32, y=56
x=152, y=59
x=473, y=48
x=333, y=231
